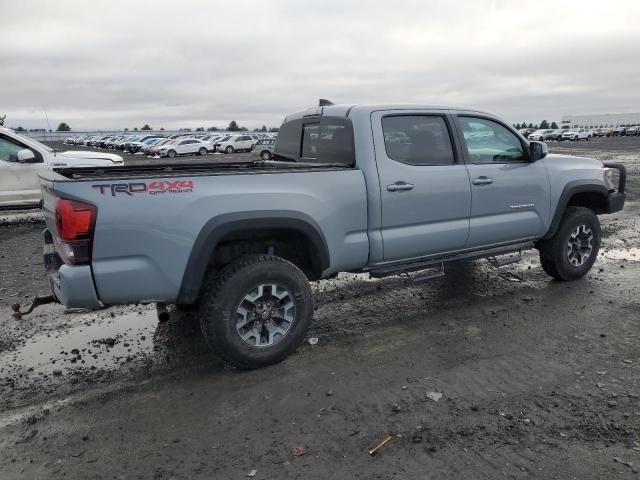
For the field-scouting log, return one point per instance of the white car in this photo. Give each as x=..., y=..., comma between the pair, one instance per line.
x=579, y=134
x=187, y=146
x=236, y=143
x=538, y=135
x=22, y=158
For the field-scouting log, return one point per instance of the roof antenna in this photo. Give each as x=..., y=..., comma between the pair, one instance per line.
x=47, y=117
x=325, y=103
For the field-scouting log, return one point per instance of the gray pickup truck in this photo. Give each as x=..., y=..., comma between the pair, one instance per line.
x=383, y=189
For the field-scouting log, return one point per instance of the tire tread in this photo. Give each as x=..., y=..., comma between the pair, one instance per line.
x=214, y=284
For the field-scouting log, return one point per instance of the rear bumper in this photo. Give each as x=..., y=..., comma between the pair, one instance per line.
x=70, y=285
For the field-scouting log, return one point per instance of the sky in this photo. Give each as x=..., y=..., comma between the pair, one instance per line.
x=178, y=64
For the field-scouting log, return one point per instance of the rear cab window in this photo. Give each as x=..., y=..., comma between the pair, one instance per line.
x=317, y=139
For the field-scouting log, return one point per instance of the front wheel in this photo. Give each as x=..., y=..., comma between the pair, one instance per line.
x=229, y=149
x=202, y=151
x=257, y=311
x=573, y=249
x=171, y=153
x=266, y=155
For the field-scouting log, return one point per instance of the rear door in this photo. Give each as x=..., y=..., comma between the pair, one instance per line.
x=424, y=184
x=510, y=194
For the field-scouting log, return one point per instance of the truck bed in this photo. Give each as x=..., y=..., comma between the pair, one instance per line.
x=154, y=221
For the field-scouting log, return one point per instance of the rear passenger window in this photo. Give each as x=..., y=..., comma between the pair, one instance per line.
x=310, y=141
x=418, y=139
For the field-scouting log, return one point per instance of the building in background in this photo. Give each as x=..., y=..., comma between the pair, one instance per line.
x=611, y=120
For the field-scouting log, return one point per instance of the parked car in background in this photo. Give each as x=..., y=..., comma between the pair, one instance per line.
x=187, y=146
x=553, y=135
x=236, y=143
x=603, y=132
x=618, y=131
x=538, y=135
x=148, y=147
x=71, y=140
x=135, y=147
x=23, y=158
x=264, y=148
x=632, y=131
x=525, y=132
x=577, y=134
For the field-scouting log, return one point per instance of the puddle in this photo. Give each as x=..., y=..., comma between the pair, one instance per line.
x=631, y=254
x=107, y=342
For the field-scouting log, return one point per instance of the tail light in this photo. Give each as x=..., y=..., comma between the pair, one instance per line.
x=76, y=223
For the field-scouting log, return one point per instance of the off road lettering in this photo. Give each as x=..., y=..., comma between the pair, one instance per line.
x=153, y=188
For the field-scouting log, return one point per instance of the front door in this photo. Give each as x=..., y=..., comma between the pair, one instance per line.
x=510, y=197
x=424, y=185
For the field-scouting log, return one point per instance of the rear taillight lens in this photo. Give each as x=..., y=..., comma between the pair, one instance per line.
x=75, y=222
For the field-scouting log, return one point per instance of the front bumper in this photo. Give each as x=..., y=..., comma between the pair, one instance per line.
x=70, y=285
x=615, y=199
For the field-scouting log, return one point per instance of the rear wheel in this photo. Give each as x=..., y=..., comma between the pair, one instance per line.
x=573, y=249
x=202, y=151
x=266, y=155
x=257, y=311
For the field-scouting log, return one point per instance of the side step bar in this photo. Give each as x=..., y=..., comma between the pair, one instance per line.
x=398, y=268
x=436, y=271
x=497, y=262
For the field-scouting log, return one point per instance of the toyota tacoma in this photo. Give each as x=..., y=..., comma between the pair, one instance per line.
x=383, y=189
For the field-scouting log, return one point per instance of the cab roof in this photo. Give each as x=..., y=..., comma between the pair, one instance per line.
x=345, y=110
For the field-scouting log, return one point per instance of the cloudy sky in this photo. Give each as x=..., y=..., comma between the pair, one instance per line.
x=116, y=64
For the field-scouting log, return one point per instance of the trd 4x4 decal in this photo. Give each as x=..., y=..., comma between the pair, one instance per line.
x=152, y=188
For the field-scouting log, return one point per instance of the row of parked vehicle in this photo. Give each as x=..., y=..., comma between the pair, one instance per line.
x=154, y=145
x=576, y=134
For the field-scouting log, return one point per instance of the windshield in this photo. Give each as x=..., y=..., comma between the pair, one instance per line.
x=37, y=143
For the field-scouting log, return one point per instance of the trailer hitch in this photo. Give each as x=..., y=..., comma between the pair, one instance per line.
x=37, y=301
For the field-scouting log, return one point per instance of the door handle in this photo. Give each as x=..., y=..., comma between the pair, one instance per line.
x=482, y=180
x=399, y=187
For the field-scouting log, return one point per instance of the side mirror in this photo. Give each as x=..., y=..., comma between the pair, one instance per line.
x=537, y=150
x=26, y=156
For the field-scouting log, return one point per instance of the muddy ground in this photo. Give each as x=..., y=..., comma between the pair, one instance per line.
x=538, y=379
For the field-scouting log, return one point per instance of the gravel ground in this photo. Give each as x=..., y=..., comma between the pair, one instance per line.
x=538, y=379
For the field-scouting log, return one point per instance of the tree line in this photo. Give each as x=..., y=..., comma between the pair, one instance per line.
x=544, y=125
x=233, y=127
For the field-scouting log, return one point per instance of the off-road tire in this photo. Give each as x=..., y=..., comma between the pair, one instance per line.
x=553, y=252
x=223, y=295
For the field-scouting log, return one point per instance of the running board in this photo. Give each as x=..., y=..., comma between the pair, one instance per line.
x=398, y=268
x=422, y=277
x=505, y=260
